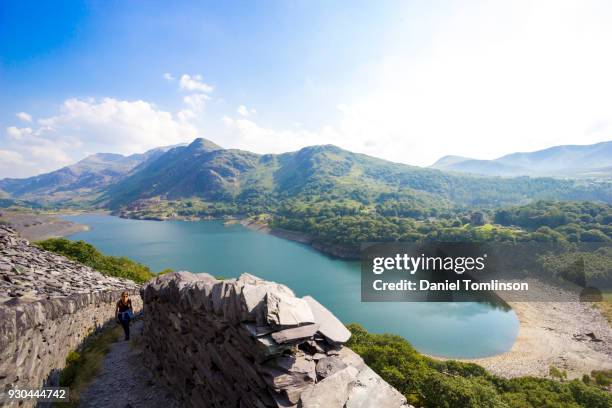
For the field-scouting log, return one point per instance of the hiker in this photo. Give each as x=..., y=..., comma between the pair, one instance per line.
x=124, y=313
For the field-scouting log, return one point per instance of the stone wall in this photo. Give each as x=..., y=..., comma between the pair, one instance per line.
x=252, y=343
x=48, y=306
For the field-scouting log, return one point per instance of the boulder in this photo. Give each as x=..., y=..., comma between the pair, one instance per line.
x=370, y=390
x=253, y=294
x=295, y=333
x=330, y=327
x=287, y=311
x=290, y=374
x=329, y=365
x=331, y=392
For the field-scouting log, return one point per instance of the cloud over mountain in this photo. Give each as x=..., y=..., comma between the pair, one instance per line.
x=85, y=126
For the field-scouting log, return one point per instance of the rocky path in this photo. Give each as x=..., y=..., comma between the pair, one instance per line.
x=124, y=382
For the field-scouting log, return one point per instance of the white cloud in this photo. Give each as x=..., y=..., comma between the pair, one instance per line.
x=244, y=111
x=194, y=83
x=18, y=133
x=8, y=160
x=86, y=126
x=195, y=106
x=186, y=115
x=168, y=76
x=123, y=126
x=246, y=134
x=196, y=101
x=10, y=157
x=26, y=117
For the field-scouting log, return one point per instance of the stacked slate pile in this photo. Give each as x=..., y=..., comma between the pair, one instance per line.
x=247, y=342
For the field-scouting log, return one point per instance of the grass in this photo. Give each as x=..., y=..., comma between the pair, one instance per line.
x=83, y=366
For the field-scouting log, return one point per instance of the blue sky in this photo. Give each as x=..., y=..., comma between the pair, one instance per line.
x=409, y=81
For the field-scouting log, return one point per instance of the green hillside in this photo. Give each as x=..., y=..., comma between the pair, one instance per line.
x=206, y=173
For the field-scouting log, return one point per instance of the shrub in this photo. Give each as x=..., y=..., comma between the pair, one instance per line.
x=430, y=383
x=87, y=254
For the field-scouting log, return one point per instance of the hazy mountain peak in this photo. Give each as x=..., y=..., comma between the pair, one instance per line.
x=562, y=161
x=320, y=149
x=449, y=160
x=203, y=144
x=100, y=158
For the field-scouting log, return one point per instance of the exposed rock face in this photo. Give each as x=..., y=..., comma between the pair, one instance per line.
x=48, y=305
x=252, y=343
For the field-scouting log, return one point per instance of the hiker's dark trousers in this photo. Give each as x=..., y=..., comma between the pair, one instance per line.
x=125, y=322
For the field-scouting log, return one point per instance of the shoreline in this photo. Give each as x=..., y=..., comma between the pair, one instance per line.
x=38, y=226
x=336, y=251
x=550, y=333
x=554, y=334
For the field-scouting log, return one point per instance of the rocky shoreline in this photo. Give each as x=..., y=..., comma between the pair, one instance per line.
x=337, y=251
x=39, y=226
x=573, y=336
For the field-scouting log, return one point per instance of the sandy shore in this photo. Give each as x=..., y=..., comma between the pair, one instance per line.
x=558, y=334
x=35, y=226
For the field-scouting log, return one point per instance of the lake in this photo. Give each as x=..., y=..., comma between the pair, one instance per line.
x=459, y=330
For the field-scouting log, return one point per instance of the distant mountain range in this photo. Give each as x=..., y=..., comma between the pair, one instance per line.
x=573, y=161
x=207, y=172
x=82, y=180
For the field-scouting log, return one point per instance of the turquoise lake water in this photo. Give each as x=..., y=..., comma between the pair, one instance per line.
x=460, y=330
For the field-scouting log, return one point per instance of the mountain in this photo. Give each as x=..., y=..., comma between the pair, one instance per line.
x=81, y=180
x=254, y=182
x=236, y=181
x=200, y=169
x=576, y=161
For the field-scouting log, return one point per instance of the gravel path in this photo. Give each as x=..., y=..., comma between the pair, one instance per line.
x=124, y=382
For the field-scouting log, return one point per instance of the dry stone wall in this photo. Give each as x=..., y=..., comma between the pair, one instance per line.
x=251, y=343
x=48, y=306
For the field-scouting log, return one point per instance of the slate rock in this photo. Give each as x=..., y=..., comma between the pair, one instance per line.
x=328, y=366
x=370, y=390
x=331, y=328
x=287, y=311
x=295, y=333
x=331, y=392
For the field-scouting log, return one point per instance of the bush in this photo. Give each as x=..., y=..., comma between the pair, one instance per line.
x=602, y=377
x=430, y=383
x=557, y=374
x=87, y=254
